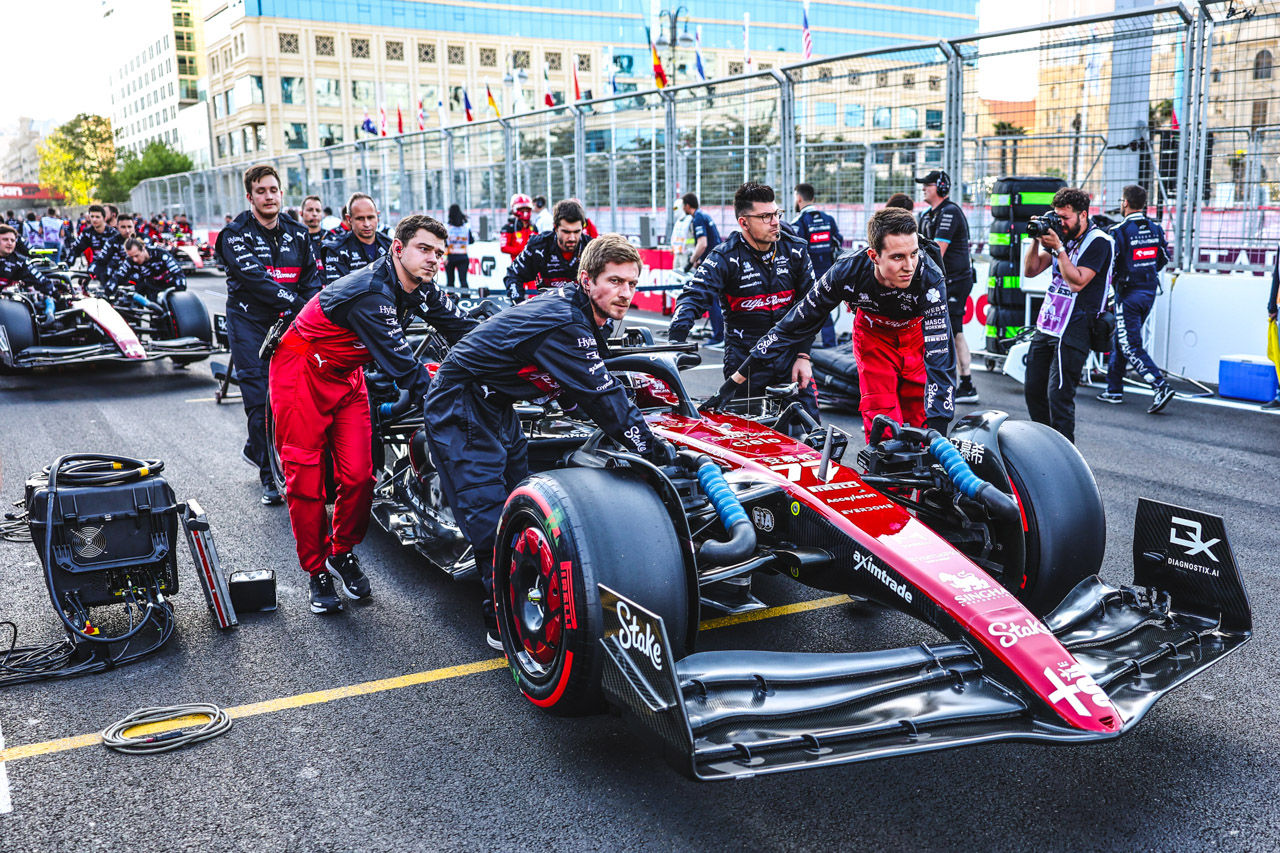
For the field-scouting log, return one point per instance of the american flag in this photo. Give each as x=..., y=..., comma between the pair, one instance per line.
x=808, y=39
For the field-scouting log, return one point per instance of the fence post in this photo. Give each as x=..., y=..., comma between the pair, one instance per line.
x=672, y=133
x=450, y=179
x=405, y=184
x=1201, y=166
x=787, y=138
x=508, y=156
x=1186, y=137
x=869, y=180
x=580, y=154
x=953, y=126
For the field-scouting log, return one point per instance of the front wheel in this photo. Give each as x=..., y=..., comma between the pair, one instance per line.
x=562, y=533
x=189, y=318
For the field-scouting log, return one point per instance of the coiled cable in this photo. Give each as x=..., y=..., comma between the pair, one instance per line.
x=113, y=736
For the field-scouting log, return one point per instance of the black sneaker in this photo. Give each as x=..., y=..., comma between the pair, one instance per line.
x=491, y=636
x=355, y=583
x=1163, y=395
x=1272, y=406
x=1111, y=397
x=324, y=598
x=244, y=454
x=965, y=392
x=271, y=495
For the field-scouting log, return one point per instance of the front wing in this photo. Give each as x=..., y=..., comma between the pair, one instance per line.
x=730, y=714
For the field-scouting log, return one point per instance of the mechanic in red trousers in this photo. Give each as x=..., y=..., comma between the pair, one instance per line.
x=901, y=332
x=319, y=402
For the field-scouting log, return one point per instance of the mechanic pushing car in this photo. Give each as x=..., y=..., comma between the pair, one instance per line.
x=535, y=350
x=127, y=228
x=1140, y=254
x=320, y=405
x=270, y=274
x=17, y=269
x=150, y=269
x=1080, y=254
x=757, y=274
x=519, y=226
x=550, y=258
x=901, y=331
x=822, y=236
x=99, y=239
x=360, y=246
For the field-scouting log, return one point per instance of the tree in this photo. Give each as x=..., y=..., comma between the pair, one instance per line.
x=74, y=157
x=1004, y=130
x=157, y=159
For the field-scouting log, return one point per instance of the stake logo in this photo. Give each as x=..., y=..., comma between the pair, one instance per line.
x=645, y=642
x=1009, y=633
x=1194, y=542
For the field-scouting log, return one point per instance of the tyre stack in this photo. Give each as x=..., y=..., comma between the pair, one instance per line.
x=1013, y=202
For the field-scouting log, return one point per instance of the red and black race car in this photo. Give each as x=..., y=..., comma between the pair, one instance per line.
x=993, y=537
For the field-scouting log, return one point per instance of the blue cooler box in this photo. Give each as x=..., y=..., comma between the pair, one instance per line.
x=1247, y=377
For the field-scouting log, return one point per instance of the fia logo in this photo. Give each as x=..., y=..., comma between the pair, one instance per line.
x=762, y=518
x=1194, y=542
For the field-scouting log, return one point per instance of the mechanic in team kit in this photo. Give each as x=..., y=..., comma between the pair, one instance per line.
x=535, y=350
x=550, y=258
x=15, y=268
x=1140, y=253
x=150, y=269
x=901, y=331
x=360, y=246
x=519, y=227
x=821, y=234
x=270, y=274
x=757, y=274
x=320, y=405
x=1081, y=266
x=705, y=236
x=99, y=239
x=312, y=214
x=945, y=224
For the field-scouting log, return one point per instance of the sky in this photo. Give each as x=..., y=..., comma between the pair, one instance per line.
x=49, y=55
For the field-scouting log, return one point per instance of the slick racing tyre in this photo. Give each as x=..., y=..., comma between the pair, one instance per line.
x=19, y=327
x=562, y=533
x=1065, y=529
x=190, y=319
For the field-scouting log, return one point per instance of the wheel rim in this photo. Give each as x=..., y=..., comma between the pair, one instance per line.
x=536, y=600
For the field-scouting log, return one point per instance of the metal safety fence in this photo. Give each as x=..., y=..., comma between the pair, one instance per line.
x=1183, y=101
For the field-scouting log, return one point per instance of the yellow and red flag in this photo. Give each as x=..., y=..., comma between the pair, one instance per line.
x=659, y=76
x=493, y=105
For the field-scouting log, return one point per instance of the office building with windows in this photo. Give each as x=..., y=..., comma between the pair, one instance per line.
x=162, y=52
x=288, y=75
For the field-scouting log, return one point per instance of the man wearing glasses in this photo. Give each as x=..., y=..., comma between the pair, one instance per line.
x=756, y=275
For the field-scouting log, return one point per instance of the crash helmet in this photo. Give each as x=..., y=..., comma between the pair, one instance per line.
x=522, y=206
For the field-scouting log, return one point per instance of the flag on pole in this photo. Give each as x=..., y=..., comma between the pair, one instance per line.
x=659, y=76
x=466, y=105
x=422, y=116
x=440, y=110
x=746, y=42
x=493, y=105
x=546, y=88
x=367, y=124
x=399, y=120
x=806, y=38
x=577, y=92
x=382, y=119
x=697, y=54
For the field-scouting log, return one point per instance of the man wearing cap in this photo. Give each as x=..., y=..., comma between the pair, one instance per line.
x=944, y=223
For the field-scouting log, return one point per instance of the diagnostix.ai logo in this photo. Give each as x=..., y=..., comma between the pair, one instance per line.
x=1189, y=534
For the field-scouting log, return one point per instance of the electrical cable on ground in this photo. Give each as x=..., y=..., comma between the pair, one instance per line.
x=113, y=736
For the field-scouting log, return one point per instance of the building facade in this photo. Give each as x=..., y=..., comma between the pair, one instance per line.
x=162, y=45
x=289, y=75
x=21, y=160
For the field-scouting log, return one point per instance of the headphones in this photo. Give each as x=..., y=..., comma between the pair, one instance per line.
x=944, y=184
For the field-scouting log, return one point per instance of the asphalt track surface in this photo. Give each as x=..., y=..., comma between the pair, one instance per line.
x=393, y=727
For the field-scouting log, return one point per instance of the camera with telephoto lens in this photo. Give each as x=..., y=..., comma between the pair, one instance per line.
x=1038, y=226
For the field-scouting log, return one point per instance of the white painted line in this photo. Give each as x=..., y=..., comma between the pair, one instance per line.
x=647, y=321
x=1144, y=391
x=6, y=803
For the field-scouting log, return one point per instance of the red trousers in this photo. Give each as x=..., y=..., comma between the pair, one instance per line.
x=891, y=376
x=315, y=413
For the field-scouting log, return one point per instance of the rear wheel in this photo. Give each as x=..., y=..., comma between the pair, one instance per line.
x=562, y=533
x=1065, y=531
x=189, y=319
x=19, y=327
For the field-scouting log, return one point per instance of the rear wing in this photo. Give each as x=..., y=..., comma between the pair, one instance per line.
x=733, y=714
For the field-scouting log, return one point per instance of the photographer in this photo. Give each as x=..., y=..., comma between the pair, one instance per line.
x=1080, y=254
x=1140, y=255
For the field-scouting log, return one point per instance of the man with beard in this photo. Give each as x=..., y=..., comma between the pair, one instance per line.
x=550, y=259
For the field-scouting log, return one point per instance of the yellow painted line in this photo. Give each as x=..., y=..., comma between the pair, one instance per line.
x=366, y=688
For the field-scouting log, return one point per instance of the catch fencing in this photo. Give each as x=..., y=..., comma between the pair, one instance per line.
x=1185, y=102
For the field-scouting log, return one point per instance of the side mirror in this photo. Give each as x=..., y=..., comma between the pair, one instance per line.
x=685, y=360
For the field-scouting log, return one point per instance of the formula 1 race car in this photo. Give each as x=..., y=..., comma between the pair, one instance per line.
x=82, y=325
x=993, y=537
x=188, y=251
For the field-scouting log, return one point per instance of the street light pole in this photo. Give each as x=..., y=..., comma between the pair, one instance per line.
x=673, y=22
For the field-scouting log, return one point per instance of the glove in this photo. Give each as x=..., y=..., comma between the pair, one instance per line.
x=677, y=336
x=49, y=309
x=722, y=397
x=662, y=454
x=940, y=424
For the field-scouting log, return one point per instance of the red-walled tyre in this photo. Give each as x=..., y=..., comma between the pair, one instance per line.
x=562, y=533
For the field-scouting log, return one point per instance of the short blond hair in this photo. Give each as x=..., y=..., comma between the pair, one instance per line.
x=607, y=249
